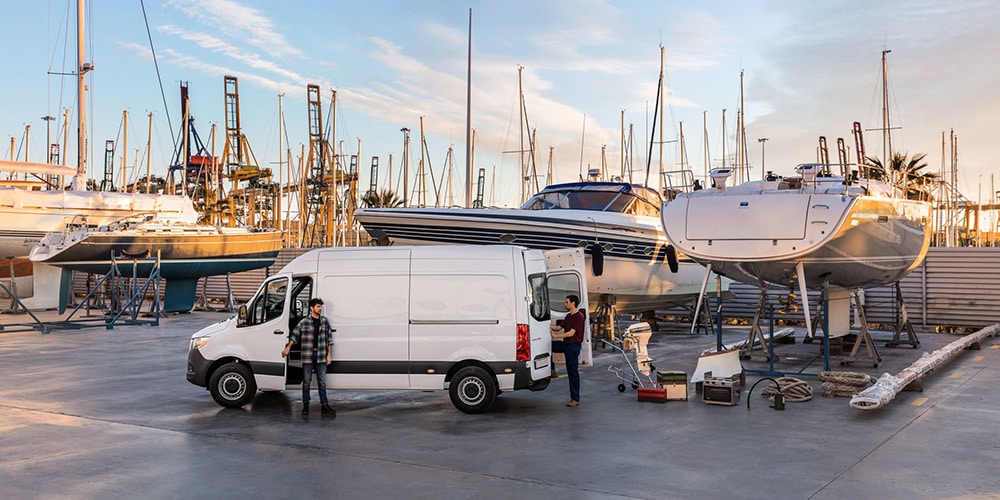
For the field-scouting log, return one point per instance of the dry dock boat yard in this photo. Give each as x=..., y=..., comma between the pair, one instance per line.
x=98, y=413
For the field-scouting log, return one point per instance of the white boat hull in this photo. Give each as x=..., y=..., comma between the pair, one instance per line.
x=636, y=269
x=26, y=216
x=759, y=238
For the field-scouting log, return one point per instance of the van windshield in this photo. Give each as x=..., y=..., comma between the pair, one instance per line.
x=539, y=297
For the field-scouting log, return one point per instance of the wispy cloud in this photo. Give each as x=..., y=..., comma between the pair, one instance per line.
x=188, y=62
x=251, y=59
x=240, y=22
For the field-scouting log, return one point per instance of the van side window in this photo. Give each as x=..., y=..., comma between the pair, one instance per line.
x=539, y=296
x=561, y=285
x=269, y=303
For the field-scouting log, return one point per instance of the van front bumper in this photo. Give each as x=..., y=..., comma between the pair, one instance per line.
x=197, y=368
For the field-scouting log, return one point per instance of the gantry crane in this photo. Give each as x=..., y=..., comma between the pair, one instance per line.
x=197, y=168
x=328, y=192
x=251, y=196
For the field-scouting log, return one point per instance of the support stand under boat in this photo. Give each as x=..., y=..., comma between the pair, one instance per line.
x=824, y=352
x=21, y=327
x=203, y=305
x=15, y=303
x=128, y=294
x=604, y=318
x=864, y=339
x=702, y=318
x=903, y=324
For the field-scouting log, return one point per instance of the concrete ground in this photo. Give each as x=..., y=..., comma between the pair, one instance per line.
x=101, y=413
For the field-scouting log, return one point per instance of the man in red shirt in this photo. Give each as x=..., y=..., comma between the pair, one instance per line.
x=567, y=339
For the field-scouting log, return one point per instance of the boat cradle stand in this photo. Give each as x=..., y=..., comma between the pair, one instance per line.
x=903, y=325
x=38, y=324
x=127, y=294
x=864, y=338
x=604, y=318
x=756, y=334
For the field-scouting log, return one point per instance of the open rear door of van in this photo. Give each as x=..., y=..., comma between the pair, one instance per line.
x=567, y=272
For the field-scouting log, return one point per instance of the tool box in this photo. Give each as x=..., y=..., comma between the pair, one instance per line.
x=721, y=391
x=652, y=394
x=676, y=384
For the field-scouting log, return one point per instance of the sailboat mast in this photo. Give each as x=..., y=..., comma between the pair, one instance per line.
x=524, y=169
x=704, y=140
x=886, y=135
x=662, y=95
x=80, y=182
x=124, y=177
x=622, y=142
x=724, y=138
x=149, y=146
x=741, y=139
x=683, y=147
x=279, y=223
x=468, y=122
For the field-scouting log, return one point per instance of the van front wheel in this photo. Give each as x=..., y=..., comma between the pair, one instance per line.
x=472, y=390
x=232, y=385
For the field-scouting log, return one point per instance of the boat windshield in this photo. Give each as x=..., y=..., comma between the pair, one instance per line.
x=599, y=197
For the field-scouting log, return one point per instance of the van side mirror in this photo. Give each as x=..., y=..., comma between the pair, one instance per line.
x=241, y=316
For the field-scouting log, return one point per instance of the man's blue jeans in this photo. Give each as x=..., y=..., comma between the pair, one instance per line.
x=572, y=353
x=307, y=371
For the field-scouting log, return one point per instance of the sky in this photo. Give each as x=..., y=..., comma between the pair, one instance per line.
x=809, y=69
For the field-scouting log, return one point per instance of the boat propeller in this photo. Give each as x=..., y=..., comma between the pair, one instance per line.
x=788, y=303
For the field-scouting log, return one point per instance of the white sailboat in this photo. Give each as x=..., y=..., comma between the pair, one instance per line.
x=832, y=230
x=811, y=231
x=814, y=227
x=27, y=215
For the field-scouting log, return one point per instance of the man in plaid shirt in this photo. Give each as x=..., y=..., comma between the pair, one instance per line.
x=315, y=335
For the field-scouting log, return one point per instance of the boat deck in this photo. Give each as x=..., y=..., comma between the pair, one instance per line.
x=99, y=413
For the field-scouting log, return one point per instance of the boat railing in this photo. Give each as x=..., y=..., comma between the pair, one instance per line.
x=675, y=182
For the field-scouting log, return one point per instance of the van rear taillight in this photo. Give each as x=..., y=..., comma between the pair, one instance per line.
x=523, y=342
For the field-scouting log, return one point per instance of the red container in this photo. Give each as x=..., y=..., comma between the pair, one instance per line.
x=652, y=394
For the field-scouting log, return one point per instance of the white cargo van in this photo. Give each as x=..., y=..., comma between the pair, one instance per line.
x=470, y=319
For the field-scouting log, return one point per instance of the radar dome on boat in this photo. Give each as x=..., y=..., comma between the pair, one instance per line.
x=720, y=176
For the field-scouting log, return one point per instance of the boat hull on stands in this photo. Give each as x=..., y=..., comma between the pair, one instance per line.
x=848, y=237
x=635, y=253
x=185, y=252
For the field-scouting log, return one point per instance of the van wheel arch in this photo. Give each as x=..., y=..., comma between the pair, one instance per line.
x=472, y=387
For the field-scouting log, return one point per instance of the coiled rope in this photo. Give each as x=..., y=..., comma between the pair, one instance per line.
x=844, y=384
x=796, y=390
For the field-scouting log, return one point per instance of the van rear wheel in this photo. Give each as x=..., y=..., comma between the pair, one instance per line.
x=232, y=385
x=472, y=390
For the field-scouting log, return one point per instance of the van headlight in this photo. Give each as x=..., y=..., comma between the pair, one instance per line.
x=199, y=342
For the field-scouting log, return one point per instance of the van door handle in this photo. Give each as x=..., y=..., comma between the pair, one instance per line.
x=279, y=332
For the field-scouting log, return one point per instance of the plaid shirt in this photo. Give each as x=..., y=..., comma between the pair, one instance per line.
x=303, y=334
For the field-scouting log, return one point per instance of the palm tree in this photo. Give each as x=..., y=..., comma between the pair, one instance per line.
x=381, y=199
x=905, y=173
